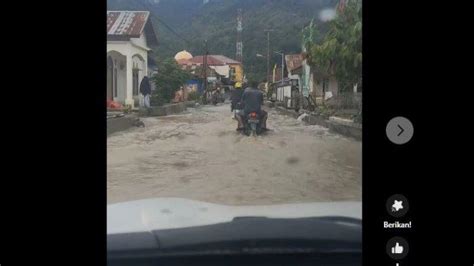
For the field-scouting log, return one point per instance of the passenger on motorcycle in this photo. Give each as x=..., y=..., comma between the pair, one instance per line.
x=235, y=97
x=252, y=101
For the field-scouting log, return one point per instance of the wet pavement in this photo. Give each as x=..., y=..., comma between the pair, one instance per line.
x=199, y=155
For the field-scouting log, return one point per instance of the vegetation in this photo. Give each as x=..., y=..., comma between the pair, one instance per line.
x=193, y=96
x=168, y=81
x=194, y=22
x=339, y=52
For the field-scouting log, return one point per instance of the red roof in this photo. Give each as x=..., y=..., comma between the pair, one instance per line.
x=210, y=60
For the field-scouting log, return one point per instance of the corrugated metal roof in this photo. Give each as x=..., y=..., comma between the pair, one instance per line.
x=225, y=59
x=126, y=23
x=212, y=60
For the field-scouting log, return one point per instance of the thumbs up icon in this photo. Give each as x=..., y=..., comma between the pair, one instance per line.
x=397, y=249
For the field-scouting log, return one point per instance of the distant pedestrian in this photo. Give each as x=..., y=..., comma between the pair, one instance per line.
x=184, y=94
x=145, y=90
x=297, y=99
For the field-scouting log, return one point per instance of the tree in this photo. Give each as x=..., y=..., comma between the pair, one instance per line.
x=216, y=21
x=168, y=80
x=339, y=53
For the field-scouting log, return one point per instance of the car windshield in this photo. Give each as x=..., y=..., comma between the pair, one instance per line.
x=220, y=109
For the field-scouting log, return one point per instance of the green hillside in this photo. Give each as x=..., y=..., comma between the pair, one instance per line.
x=185, y=24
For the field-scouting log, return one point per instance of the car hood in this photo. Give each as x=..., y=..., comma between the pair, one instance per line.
x=167, y=213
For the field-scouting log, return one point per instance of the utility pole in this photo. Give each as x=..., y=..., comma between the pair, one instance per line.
x=282, y=67
x=206, y=52
x=282, y=64
x=239, y=45
x=268, y=53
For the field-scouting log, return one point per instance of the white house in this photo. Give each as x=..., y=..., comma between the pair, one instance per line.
x=129, y=34
x=317, y=82
x=294, y=69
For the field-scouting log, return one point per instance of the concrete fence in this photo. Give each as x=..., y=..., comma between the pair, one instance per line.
x=121, y=123
x=346, y=100
x=167, y=109
x=338, y=125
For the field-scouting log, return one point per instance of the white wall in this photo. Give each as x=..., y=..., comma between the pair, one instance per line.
x=333, y=86
x=311, y=83
x=128, y=50
x=118, y=61
x=294, y=77
x=222, y=70
x=297, y=77
x=140, y=42
x=140, y=63
x=122, y=47
x=283, y=92
x=118, y=46
x=139, y=46
x=122, y=81
x=307, y=78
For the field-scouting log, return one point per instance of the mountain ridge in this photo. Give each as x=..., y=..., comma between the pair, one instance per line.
x=185, y=24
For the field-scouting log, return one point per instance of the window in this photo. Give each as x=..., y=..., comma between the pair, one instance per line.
x=135, y=81
x=115, y=78
x=294, y=82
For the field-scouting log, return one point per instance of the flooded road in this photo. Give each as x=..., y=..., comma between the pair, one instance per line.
x=199, y=155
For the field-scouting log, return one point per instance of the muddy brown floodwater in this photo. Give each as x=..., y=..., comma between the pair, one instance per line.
x=199, y=155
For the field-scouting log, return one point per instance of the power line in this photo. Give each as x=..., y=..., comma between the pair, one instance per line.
x=268, y=52
x=172, y=30
x=164, y=24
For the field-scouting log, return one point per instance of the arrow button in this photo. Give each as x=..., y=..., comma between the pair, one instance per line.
x=399, y=130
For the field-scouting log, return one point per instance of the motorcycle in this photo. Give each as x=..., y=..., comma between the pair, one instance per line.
x=252, y=125
x=237, y=110
x=215, y=98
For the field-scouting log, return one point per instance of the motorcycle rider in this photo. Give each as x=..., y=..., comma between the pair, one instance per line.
x=235, y=97
x=252, y=101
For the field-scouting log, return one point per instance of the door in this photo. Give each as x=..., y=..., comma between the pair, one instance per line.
x=135, y=84
x=135, y=88
x=110, y=80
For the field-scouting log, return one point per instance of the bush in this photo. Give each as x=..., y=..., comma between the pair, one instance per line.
x=168, y=81
x=157, y=99
x=193, y=96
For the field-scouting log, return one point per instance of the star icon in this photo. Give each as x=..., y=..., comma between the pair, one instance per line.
x=397, y=205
